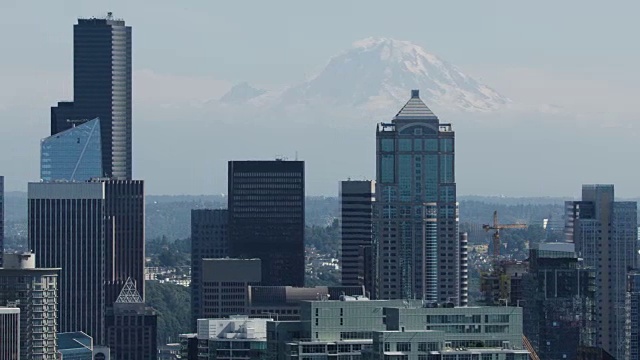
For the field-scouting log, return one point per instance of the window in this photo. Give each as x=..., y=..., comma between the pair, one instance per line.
x=446, y=145
x=387, y=168
x=405, y=145
x=387, y=145
x=403, y=346
x=431, y=144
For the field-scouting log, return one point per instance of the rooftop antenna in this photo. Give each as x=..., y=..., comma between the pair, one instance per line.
x=296, y=155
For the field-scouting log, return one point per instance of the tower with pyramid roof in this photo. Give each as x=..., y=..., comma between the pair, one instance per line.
x=417, y=251
x=131, y=325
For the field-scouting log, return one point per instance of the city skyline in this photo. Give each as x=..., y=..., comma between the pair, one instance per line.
x=593, y=108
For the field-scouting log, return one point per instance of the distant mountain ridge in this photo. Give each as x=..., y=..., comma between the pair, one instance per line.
x=375, y=74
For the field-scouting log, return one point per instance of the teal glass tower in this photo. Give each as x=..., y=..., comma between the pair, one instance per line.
x=417, y=246
x=72, y=155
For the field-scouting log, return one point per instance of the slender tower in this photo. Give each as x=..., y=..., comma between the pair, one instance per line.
x=101, y=89
x=416, y=219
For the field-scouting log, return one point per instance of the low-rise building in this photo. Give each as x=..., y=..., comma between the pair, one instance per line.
x=238, y=337
x=353, y=328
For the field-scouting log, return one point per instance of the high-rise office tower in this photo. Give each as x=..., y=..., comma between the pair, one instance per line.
x=632, y=325
x=605, y=234
x=132, y=326
x=94, y=231
x=35, y=292
x=558, y=305
x=208, y=241
x=1, y=218
x=74, y=154
x=9, y=333
x=266, y=217
x=356, y=211
x=416, y=218
x=102, y=89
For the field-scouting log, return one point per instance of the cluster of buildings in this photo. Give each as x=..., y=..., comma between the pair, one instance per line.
x=79, y=293
x=405, y=276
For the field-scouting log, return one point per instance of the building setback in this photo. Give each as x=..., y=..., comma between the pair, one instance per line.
x=208, y=241
x=102, y=87
x=356, y=213
x=416, y=214
x=94, y=231
x=266, y=217
x=605, y=234
x=35, y=292
x=74, y=154
x=9, y=333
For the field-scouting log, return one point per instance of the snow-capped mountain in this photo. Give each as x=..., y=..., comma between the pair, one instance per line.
x=378, y=73
x=241, y=93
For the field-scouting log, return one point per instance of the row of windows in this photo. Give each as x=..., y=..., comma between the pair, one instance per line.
x=419, y=144
x=254, y=174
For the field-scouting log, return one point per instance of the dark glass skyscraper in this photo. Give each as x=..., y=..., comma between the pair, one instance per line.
x=416, y=219
x=558, y=302
x=356, y=213
x=208, y=241
x=94, y=231
x=102, y=88
x=266, y=217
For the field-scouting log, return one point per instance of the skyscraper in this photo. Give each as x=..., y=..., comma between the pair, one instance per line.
x=94, y=231
x=35, y=292
x=266, y=217
x=356, y=205
x=416, y=219
x=131, y=326
x=605, y=234
x=208, y=241
x=74, y=154
x=101, y=88
x=9, y=333
x=1, y=218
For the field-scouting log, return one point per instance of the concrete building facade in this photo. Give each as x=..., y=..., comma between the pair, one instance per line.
x=35, y=292
x=349, y=329
x=605, y=234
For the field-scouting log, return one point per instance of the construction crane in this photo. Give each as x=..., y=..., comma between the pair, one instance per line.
x=496, y=235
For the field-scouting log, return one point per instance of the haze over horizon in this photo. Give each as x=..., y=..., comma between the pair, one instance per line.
x=573, y=87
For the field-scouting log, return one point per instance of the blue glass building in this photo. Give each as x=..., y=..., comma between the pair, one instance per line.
x=75, y=346
x=72, y=155
x=416, y=238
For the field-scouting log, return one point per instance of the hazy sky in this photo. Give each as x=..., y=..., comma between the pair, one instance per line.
x=579, y=55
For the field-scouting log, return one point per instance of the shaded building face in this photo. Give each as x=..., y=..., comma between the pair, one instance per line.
x=266, y=217
x=72, y=155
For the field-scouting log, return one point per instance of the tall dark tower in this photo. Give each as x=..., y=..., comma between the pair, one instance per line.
x=266, y=217
x=102, y=89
